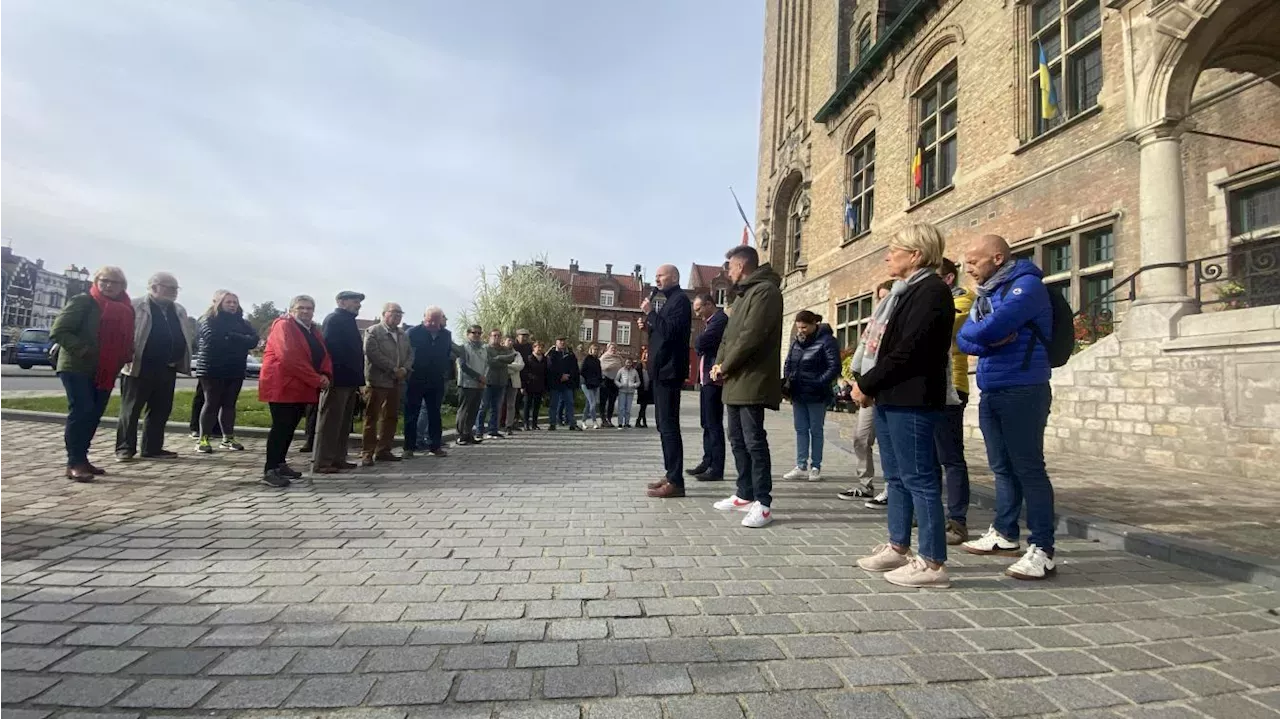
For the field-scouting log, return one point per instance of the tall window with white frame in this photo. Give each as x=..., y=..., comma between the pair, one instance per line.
x=1254, y=264
x=860, y=203
x=1068, y=33
x=587, y=332
x=937, y=117
x=624, y=334
x=852, y=317
x=607, y=298
x=795, y=237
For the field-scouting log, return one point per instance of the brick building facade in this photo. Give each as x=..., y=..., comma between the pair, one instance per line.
x=852, y=89
x=610, y=305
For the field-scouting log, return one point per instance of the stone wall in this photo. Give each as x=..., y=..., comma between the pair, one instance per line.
x=1206, y=400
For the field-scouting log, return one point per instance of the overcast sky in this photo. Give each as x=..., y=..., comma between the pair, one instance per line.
x=277, y=147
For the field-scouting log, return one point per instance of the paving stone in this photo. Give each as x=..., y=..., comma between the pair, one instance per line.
x=655, y=679
x=578, y=682
x=649, y=628
x=252, y=694
x=35, y=633
x=547, y=654
x=496, y=656
x=84, y=692
x=575, y=629
x=237, y=636
x=401, y=659
x=1001, y=665
x=869, y=672
x=1064, y=662
x=168, y=637
x=376, y=635
x=1179, y=652
x=704, y=707
x=456, y=634
x=332, y=692
x=30, y=658
x=188, y=662
x=624, y=709
x=936, y=703
x=860, y=704
x=19, y=688
x=804, y=675
x=254, y=661
x=1075, y=693
x=1143, y=688
x=1234, y=707
x=793, y=705
x=1203, y=681
x=515, y=631
x=612, y=652
x=308, y=636
x=411, y=689
x=495, y=685
x=1128, y=658
x=728, y=678
x=327, y=661
x=168, y=693
x=98, y=661
x=1008, y=699
x=681, y=651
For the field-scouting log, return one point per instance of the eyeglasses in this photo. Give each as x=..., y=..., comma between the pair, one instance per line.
x=108, y=281
x=473, y=332
x=175, y=288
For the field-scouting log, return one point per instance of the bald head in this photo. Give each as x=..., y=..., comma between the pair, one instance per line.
x=986, y=255
x=667, y=276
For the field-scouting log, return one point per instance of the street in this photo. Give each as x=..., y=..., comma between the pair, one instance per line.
x=15, y=381
x=530, y=577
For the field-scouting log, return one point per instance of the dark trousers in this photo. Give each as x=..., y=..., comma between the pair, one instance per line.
x=532, y=407
x=711, y=404
x=562, y=406
x=666, y=408
x=152, y=392
x=313, y=422
x=219, y=412
x=421, y=396
x=333, y=426
x=468, y=409
x=197, y=406
x=85, y=405
x=1013, y=421
x=949, y=438
x=641, y=416
x=285, y=418
x=750, y=445
x=608, y=399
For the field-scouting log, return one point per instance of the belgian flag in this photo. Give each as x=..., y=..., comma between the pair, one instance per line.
x=917, y=163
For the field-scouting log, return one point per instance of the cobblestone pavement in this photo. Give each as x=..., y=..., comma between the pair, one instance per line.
x=1239, y=513
x=530, y=577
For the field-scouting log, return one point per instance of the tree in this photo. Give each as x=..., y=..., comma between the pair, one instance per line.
x=261, y=317
x=528, y=297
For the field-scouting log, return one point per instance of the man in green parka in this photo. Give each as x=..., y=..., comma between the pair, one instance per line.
x=750, y=364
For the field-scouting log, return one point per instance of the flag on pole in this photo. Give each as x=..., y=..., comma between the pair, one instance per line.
x=745, y=237
x=746, y=224
x=850, y=214
x=1048, y=93
x=917, y=163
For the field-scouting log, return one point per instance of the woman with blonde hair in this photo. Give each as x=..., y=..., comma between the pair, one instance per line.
x=295, y=367
x=222, y=345
x=903, y=370
x=94, y=337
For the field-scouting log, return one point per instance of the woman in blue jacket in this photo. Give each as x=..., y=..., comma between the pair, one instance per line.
x=812, y=365
x=222, y=346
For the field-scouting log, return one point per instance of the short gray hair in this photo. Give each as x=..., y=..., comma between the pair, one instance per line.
x=433, y=310
x=392, y=307
x=159, y=278
x=299, y=299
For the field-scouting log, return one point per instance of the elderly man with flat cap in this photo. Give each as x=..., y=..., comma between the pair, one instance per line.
x=338, y=402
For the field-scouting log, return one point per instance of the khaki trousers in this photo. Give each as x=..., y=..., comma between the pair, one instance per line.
x=337, y=404
x=380, y=420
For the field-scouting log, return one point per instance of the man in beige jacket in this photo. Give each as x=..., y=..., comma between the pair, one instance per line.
x=388, y=358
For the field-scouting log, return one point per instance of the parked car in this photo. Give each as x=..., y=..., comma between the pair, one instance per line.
x=32, y=348
x=252, y=367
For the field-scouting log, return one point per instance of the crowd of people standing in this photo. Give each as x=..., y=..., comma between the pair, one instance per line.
x=909, y=380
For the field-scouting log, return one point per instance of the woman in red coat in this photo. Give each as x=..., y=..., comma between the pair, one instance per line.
x=295, y=367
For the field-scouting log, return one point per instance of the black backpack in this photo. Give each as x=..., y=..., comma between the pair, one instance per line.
x=1062, y=344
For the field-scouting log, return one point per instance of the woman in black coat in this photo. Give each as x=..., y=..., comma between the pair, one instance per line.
x=222, y=346
x=533, y=380
x=645, y=395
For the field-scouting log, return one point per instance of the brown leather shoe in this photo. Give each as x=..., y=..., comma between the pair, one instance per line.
x=657, y=484
x=327, y=470
x=80, y=473
x=386, y=457
x=667, y=491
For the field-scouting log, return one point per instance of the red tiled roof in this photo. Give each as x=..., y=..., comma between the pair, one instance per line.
x=702, y=276
x=594, y=279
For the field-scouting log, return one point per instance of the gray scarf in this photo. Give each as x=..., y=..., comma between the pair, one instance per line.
x=864, y=358
x=982, y=307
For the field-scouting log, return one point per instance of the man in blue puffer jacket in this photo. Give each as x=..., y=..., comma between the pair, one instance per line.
x=1008, y=330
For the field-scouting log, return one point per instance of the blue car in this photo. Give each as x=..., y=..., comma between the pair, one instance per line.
x=32, y=348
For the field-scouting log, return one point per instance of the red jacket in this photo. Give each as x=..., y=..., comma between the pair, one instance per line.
x=287, y=373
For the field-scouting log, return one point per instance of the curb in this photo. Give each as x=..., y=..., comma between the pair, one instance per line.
x=1189, y=553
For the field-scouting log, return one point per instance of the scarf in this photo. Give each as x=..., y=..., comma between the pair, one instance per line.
x=864, y=358
x=115, y=337
x=982, y=307
x=611, y=364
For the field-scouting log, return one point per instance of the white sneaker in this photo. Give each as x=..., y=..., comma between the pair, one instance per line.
x=815, y=475
x=758, y=517
x=733, y=503
x=883, y=559
x=991, y=543
x=916, y=573
x=880, y=501
x=797, y=473
x=1035, y=564
x=597, y=424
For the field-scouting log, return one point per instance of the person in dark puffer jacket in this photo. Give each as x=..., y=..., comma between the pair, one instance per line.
x=812, y=365
x=223, y=341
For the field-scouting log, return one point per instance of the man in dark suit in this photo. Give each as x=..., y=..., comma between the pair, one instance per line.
x=710, y=400
x=668, y=327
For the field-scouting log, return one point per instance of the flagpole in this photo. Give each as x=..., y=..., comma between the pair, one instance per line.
x=743, y=214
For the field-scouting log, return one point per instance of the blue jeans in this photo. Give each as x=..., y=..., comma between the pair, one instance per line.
x=85, y=405
x=950, y=442
x=490, y=408
x=809, y=418
x=422, y=428
x=909, y=462
x=562, y=406
x=1013, y=421
x=593, y=401
x=625, y=400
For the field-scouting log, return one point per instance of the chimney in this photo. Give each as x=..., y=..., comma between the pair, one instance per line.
x=608, y=270
x=40, y=263
x=636, y=272
x=725, y=266
x=573, y=266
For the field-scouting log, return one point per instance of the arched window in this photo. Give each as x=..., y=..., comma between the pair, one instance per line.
x=863, y=42
x=846, y=41
x=795, y=236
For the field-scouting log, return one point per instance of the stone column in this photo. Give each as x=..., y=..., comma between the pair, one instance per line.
x=1162, y=293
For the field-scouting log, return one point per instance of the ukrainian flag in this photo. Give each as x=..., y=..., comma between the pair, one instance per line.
x=1048, y=93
